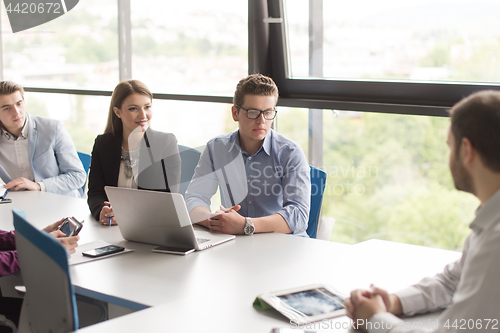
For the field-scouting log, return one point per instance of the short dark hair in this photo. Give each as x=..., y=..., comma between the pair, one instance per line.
x=254, y=84
x=477, y=118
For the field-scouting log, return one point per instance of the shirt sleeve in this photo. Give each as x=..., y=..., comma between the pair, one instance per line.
x=467, y=287
x=71, y=176
x=433, y=293
x=204, y=183
x=7, y=240
x=8, y=260
x=96, y=194
x=296, y=185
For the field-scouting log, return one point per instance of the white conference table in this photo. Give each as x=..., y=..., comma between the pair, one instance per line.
x=213, y=290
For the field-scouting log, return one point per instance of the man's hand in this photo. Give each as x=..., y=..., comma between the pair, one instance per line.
x=391, y=301
x=362, y=305
x=227, y=221
x=106, y=213
x=20, y=183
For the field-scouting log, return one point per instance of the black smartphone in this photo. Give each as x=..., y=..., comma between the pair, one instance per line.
x=103, y=251
x=173, y=250
x=3, y=194
x=71, y=226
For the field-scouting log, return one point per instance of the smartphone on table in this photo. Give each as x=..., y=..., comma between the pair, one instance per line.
x=103, y=251
x=3, y=195
x=71, y=226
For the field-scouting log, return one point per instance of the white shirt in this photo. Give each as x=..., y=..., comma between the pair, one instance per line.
x=469, y=288
x=14, y=154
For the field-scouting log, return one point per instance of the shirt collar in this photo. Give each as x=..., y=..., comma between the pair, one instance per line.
x=487, y=214
x=24, y=133
x=266, y=145
x=234, y=141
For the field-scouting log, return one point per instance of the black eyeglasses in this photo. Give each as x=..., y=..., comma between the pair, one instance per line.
x=254, y=114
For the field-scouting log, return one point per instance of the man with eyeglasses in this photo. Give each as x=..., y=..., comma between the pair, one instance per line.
x=263, y=176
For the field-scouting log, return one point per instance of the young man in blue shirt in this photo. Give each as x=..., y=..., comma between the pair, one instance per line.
x=263, y=176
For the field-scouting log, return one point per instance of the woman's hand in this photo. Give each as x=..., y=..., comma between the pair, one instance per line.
x=107, y=217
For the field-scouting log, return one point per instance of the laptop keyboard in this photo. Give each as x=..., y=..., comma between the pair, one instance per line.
x=202, y=240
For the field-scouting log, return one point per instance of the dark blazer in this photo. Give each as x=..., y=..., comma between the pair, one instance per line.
x=105, y=166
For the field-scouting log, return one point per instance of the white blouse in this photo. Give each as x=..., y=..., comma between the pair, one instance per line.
x=129, y=168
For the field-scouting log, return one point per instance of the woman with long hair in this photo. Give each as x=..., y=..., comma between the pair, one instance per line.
x=129, y=153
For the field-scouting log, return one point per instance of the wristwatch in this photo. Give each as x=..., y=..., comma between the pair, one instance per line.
x=249, y=228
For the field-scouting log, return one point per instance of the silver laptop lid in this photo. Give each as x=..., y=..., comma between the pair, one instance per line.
x=152, y=217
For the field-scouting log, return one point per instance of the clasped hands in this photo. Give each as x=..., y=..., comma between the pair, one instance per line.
x=363, y=304
x=227, y=221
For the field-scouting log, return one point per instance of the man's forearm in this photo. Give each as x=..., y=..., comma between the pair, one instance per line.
x=271, y=223
x=200, y=215
x=396, y=308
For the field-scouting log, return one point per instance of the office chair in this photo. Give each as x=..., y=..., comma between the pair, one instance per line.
x=7, y=323
x=49, y=304
x=318, y=183
x=189, y=161
x=85, y=158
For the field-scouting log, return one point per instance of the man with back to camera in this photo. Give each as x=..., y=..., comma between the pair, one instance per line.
x=469, y=288
x=36, y=153
x=263, y=176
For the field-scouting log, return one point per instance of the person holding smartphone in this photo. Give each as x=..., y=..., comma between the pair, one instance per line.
x=129, y=153
x=8, y=258
x=11, y=307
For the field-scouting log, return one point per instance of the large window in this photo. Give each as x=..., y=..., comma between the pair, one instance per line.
x=190, y=47
x=375, y=75
x=388, y=177
x=76, y=50
x=418, y=40
x=387, y=169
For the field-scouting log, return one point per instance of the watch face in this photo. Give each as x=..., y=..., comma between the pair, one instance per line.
x=249, y=229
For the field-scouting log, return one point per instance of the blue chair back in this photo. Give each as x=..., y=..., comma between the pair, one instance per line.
x=189, y=160
x=85, y=158
x=50, y=298
x=318, y=184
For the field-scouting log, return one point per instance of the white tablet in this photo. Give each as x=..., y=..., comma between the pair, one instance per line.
x=308, y=303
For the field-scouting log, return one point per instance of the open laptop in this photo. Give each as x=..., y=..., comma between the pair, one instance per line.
x=158, y=218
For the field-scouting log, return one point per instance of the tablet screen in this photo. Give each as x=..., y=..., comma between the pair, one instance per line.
x=313, y=302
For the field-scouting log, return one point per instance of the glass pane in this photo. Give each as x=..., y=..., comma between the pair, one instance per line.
x=189, y=120
x=388, y=177
x=190, y=47
x=416, y=40
x=84, y=117
x=76, y=50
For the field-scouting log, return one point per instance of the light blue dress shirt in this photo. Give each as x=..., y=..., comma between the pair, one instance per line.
x=276, y=179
